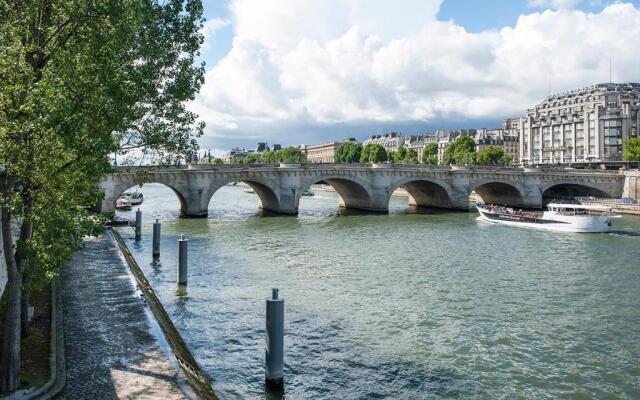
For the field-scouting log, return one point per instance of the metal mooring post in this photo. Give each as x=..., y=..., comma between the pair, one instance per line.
x=155, y=252
x=274, y=352
x=138, y=224
x=182, y=260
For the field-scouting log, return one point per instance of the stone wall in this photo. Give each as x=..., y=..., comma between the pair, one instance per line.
x=632, y=185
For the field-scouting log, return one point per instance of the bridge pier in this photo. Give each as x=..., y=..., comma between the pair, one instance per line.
x=361, y=187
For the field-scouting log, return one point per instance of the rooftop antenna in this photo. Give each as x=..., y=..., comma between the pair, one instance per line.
x=610, y=70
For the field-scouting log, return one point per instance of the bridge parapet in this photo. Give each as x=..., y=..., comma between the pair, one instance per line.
x=362, y=186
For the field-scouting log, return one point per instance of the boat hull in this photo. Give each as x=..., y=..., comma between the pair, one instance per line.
x=558, y=223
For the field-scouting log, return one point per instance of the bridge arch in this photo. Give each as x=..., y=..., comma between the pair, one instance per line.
x=425, y=192
x=571, y=190
x=268, y=196
x=123, y=186
x=354, y=192
x=498, y=192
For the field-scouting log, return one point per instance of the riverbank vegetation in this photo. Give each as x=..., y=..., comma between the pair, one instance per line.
x=632, y=150
x=289, y=155
x=81, y=81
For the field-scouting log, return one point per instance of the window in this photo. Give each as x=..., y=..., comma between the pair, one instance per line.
x=613, y=139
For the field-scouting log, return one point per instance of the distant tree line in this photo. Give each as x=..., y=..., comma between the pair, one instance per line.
x=290, y=155
x=461, y=152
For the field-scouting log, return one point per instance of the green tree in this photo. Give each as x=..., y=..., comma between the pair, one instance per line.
x=251, y=158
x=217, y=161
x=82, y=80
x=373, y=153
x=460, y=152
x=492, y=155
x=400, y=156
x=430, y=153
x=290, y=155
x=412, y=157
x=632, y=149
x=268, y=157
x=348, y=152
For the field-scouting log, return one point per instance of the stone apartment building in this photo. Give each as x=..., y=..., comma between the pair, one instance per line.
x=322, y=153
x=588, y=125
x=499, y=138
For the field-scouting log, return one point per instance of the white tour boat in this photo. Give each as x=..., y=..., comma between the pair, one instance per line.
x=558, y=217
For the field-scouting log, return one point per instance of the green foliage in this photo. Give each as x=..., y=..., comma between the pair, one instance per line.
x=80, y=80
x=291, y=155
x=632, y=149
x=430, y=160
x=373, y=153
x=252, y=158
x=492, y=155
x=460, y=152
x=430, y=153
x=412, y=157
x=217, y=161
x=348, y=152
x=400, y=156
x=403, y=156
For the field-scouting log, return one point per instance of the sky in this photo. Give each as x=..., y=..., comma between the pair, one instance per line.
x=308, y=71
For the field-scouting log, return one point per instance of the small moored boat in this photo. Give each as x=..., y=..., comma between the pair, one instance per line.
x=135, y=198
x=123, y=203
x=558, y=217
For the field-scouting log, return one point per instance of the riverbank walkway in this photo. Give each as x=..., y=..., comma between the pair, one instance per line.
x=110, y=350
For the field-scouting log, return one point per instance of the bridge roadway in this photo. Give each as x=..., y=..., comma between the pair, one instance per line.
x=365, y=186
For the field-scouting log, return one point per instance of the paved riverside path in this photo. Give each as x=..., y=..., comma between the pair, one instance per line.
x=110, y=351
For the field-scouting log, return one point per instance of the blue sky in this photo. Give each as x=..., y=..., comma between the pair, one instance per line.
x=304, y=71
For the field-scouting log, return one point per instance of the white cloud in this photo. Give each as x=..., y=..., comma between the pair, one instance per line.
x=340, y=61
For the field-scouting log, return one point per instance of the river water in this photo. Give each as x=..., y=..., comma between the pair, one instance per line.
x=400, y=306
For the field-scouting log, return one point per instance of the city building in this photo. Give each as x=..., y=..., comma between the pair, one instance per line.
x=390, y=141
x=588, y=125
x=322, y=153
x=417, y=142
x=262, y=147
x=235, y=154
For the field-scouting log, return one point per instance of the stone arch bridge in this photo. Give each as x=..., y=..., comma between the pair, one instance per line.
x=367, y=187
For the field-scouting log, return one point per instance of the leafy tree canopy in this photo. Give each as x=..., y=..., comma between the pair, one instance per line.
x=430, y=154
x=492, y=155
x=460, y=152
x=632, y=149
x=80, y=80
x=400, y=156
x=348, y=152
x=373, y=153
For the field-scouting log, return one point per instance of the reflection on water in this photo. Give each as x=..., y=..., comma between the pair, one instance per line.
x=405, y=305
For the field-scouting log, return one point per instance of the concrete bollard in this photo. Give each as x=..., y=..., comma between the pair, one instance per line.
x=138, y=226
x=182, y=260
x=155, y=252
x=274, y=352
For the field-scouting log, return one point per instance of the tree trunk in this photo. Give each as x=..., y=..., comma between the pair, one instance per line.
x=10, y=358
x=24, y=311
